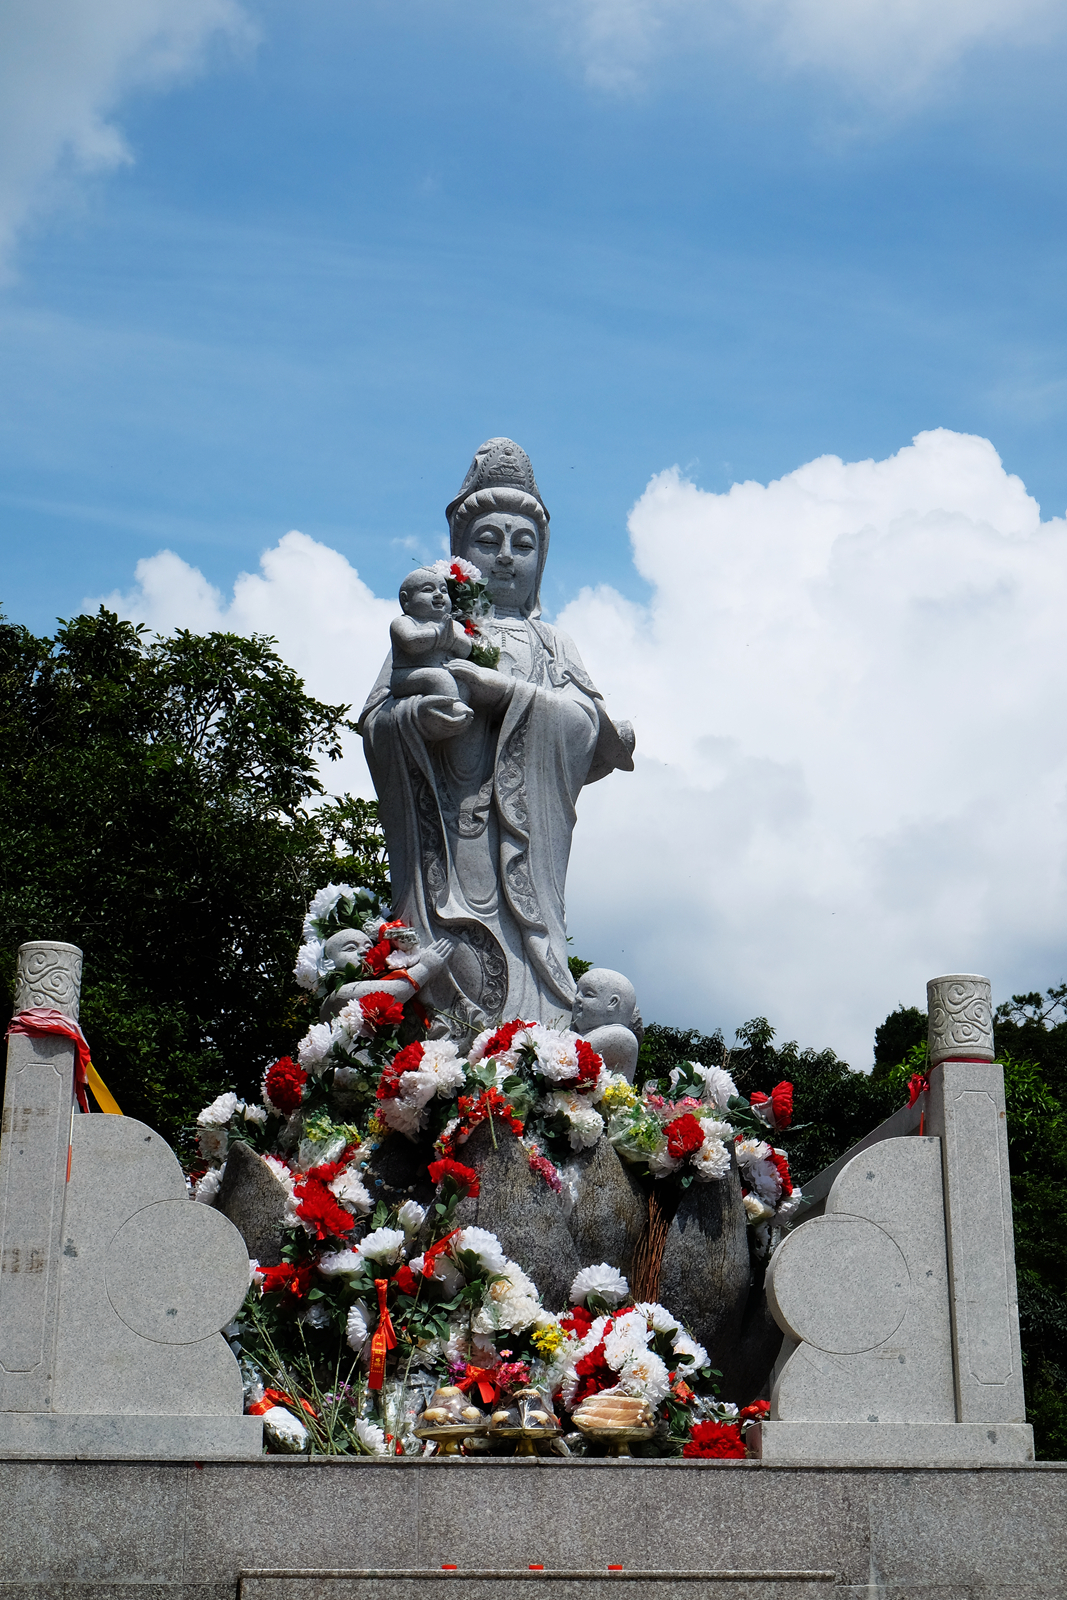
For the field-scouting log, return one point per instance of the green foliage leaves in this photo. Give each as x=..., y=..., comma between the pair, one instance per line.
x=157, y=809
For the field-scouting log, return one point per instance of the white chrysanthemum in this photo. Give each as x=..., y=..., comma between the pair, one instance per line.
x=403, y=1116
x=371, y=1437
x=719, y=1087
x=314, y=1047
x=749, y=1150
x=349, y=1188
x=584, y=1125
x=483, y=1244
x=384, y=1244
x=214, y=1143
x=628, y=1338
x=356, y=1329
x=322, y=904
x=786, y=1211
x=256, y=1114
x=711, y=1162
x=555, y=1052
x=511, y=1303
x=658, y=1317
x=604, y=1280
x=335, y=1263
x=351, y=1025
x=207, y=1186
x=756, y=1210
x=219, y=1112
x=316, y=1315
x=310, y=965
x=646, y=1373
x=661, y=1163
x=764, y=1178
x=683, y=1345
x=411, y=1217
x=279, y=1169
x=443, y=569
x=716, y=1129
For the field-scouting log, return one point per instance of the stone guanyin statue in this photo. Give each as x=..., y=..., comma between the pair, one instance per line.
x=477, y=795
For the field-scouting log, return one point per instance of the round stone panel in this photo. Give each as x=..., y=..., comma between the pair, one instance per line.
x=176, y=1272
x=840, y=1284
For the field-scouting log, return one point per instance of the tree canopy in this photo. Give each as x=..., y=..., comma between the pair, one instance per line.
x=160, y=808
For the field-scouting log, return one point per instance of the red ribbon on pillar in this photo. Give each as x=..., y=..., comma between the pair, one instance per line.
x=41, y=1020
x=384, y=1338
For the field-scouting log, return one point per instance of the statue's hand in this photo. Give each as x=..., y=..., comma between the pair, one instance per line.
x=487, y=689
x=438, y=717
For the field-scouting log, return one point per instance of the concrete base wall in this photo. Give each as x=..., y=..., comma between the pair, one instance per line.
x=333, y=1529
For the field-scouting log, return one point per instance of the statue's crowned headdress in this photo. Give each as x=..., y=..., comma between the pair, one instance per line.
x=499, y=464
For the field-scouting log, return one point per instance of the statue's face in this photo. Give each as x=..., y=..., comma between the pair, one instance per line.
x=427, y=599
x=505, y=547
x=349, y=946
x=597, y=1003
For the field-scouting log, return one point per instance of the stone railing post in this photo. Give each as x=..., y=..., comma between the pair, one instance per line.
x=35, y=1139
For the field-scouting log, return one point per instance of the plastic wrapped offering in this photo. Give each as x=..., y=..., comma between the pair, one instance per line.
x=526, y=1416
x=449, y=1418
x=615, y=1419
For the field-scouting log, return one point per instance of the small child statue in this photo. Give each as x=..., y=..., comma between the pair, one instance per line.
x=348, y=947
x=425, y=639
x=605, y=1014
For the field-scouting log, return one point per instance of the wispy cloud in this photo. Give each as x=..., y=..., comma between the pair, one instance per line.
x=65, y=68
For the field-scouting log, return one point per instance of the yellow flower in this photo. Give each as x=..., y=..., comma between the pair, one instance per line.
x=548, y=1339
x=619, y=1096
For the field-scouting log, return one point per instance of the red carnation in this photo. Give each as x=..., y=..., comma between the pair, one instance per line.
x=377, y=957
x=594, y=1374
x=719, y=1441
x=380, y=1010
x=684, y=1136
x=469, y=629
x=457, y=574
x=782, y=1104
x=589, y=1065
x=287, y=1278
x=407, y=1060
x=756, y=1412
x=464, y=1178
x=782, y=1165
x=758, y=1098
x=503, y=1037
x=318, y=1207
x=284, y=1084
x=577, y=1321
x=405, y=1280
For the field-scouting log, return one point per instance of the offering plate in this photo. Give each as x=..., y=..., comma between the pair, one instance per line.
x=450, y=1438
x=618, y=1439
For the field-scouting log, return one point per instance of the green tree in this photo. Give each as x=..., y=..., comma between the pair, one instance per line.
x=159, y=807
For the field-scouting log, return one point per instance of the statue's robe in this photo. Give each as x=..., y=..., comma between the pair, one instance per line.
x=478, y=826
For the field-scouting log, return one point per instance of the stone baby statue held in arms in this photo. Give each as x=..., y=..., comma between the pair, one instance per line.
x=425, y=640
x=477, y=789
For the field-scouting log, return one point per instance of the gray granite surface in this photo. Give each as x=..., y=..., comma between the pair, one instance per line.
x=306, y=1530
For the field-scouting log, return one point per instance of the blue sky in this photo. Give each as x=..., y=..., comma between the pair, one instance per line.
x=273, y=266
x=345, y=253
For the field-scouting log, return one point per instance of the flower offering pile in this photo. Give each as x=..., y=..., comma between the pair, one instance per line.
x=387, y=1327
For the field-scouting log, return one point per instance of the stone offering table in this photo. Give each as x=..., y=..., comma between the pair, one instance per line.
x=337, y=1529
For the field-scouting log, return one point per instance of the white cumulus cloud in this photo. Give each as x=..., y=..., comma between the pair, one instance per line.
x=328, y=624
x=848, y=690
x=887, y=49
x=66, y=65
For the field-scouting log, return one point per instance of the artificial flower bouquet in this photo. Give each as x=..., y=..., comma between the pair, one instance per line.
x=471, y=605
